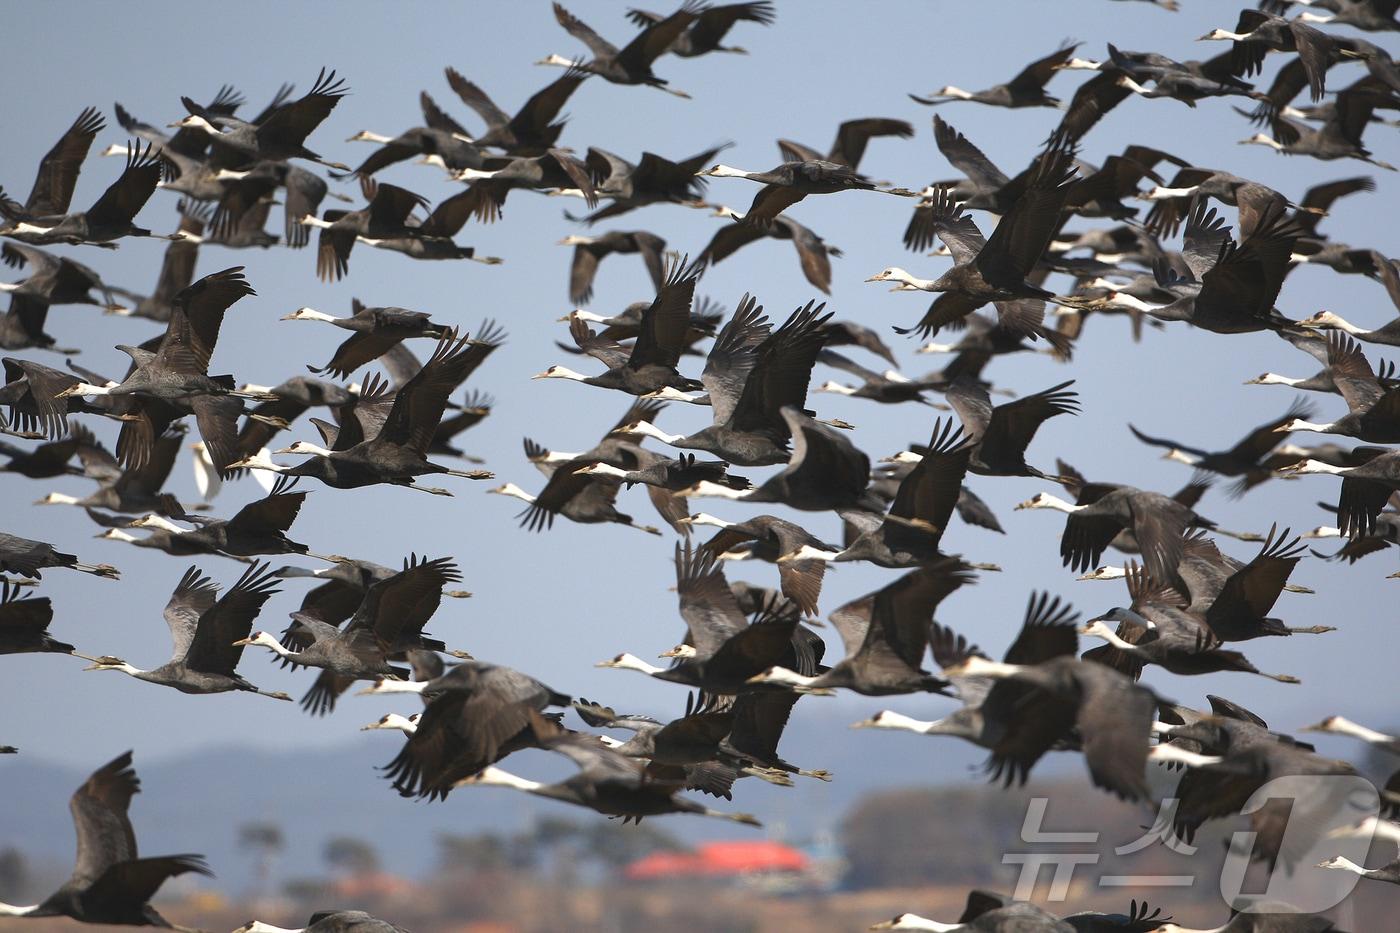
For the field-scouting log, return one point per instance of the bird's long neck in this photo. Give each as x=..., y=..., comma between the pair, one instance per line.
x=984, y=667
x=309, y=449
x=1342, y=726
x=1162, y=193
x=1110, y=636
x=705, y=488
x=1342, y=863
x=311, y=314
x=158, y=521
x=1317, y=466
x=1171, y=754
x=497, y=777
x=1059, y=505
x=515, y=492
x=607, y=469
x=282, y=651
x=898, y=721
x=398, y=686
x=1274, y=379
x=704, y=518
x=1132, y=303
x=1342, y=324
x=647, y=429
x=808, y=552
x=630, y=662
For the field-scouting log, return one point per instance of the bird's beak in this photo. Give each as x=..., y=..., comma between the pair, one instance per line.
x=241, y=642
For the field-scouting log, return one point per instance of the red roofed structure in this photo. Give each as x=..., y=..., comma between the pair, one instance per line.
x=719, y=860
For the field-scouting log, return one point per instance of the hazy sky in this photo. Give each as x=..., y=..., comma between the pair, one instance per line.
x=553, y=604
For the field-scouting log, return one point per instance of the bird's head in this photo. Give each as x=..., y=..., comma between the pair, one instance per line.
x=576, y=239
x=680, y=651
x=195, y=122
x=107, y=662
x=559, y=372
x=304, y=448
x=1321, y=320
x=720, y=170
x=264, y=639
x=1103, y=573
x=888, y=274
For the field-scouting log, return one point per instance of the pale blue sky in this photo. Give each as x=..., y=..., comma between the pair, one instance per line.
x=553, y=604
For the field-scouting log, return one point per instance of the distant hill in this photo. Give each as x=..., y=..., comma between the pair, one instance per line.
x=196, y=803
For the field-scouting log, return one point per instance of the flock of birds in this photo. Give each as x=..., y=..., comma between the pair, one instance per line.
x=748, y=653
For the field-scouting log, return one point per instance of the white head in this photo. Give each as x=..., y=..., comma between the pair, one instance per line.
x=1104, y=573
x=405, y=724
x=782, y=677
x=835, y=388
x=305, y=448
x=491, y=776
x=680, y=651
x=261, y=460
x=116, y=534
x=1181, y=456
x=602, y=469
x=1044, y=500
x=557, y=61
x=195, y=122
x=724, y=171
x=807, y=552
x=904, y=456
x=263, y=639
x=1323, y=320
x=560, y=372
x=915, y=922
x=83, y=388
x=647, y=429
x=108, y=663
x=365, y=136
x=512, y=490
x=153, y=520
x=889, y=719
x=58, y=498
x=307, y=314
x=1079, y=64
x=704, y=518
x=977, y=666
x=384, y=685
x=1342, y=863
x=575, y=239
x=1272, y=379
x=629, y=662
x=1314, y=468
x=1262, y=139
x=890, y=274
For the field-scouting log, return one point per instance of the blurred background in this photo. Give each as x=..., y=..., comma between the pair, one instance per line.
x=272, y=795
